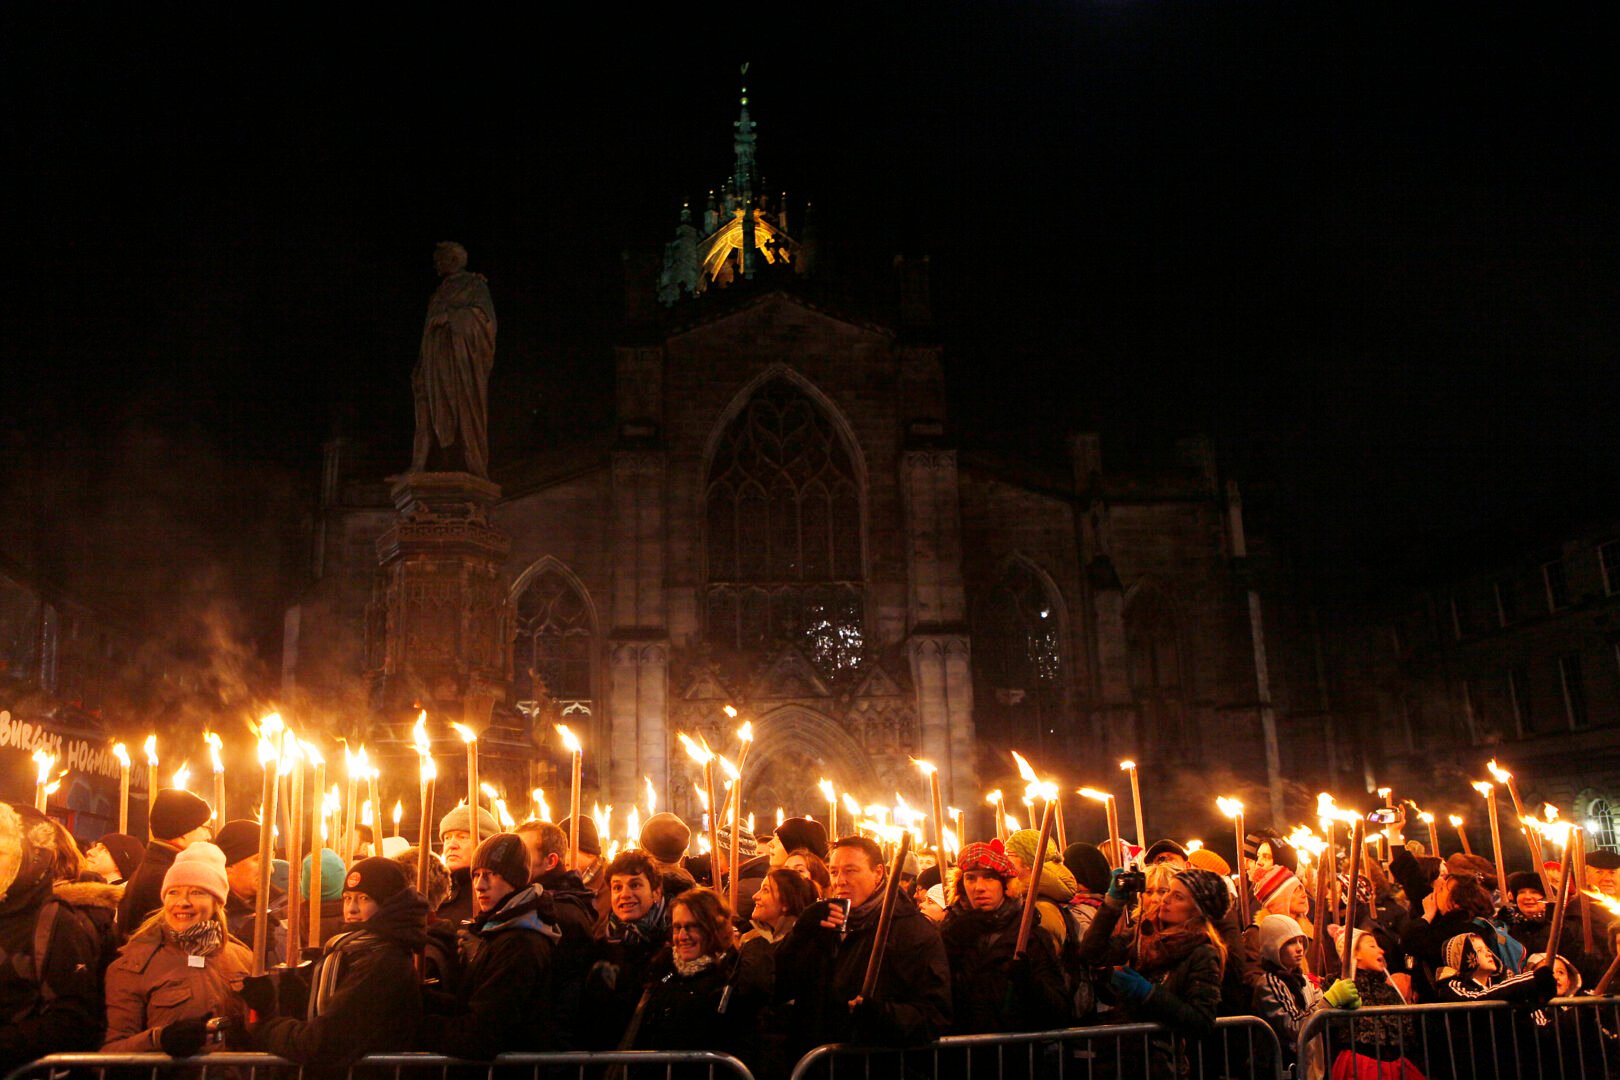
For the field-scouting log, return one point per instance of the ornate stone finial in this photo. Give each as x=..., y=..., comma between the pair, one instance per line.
x=744, y=144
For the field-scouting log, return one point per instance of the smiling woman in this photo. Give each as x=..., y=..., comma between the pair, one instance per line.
x=181, y=966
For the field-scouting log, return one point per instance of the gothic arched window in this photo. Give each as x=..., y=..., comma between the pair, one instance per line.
x=783, y=518
x=555, y=642
x=1018, y=654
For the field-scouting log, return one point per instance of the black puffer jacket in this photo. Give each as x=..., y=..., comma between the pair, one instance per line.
x=693, y=1011
x=571, y=907
x=819, y=972
x=143, y=892
x=364, y=997
x=506, y=984
x=990, y=991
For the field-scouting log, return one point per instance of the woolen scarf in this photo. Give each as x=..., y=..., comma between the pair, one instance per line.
x=203, y=939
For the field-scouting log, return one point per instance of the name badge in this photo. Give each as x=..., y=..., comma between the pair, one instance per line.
x=196, y=961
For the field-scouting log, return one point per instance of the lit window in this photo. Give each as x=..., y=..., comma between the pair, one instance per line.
x=1600, y=825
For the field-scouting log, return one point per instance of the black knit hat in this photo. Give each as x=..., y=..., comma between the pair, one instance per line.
x=239, y=840
x=589, y=843
x=1603, y=860
x=803, y=832
x=504, y=856
x=1208, y=889
x=1088, y=865
x=176, y=811
x=126, y=851
x=1282, y=853
x=377, y=877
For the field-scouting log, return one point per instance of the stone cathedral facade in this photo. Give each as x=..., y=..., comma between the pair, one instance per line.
x=781, y=521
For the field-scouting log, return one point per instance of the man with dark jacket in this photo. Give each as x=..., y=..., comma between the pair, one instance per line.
x=363, y=994
x=822, y=962
x=178, y=820
x=239, y=840
x=507, y=949
x=455, y=839
x=50, y=1002
x=566, y=903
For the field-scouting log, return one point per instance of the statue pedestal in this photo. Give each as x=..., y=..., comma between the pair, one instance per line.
x=439, y=625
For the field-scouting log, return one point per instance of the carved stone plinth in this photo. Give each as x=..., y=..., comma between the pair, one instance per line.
x=439, y=625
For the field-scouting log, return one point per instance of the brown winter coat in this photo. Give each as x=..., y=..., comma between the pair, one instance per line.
x=151, y=984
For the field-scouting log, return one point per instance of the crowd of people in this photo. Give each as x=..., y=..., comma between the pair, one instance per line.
x=521, y=942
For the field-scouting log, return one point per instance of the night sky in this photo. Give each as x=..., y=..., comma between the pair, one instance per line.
x=1371, y=251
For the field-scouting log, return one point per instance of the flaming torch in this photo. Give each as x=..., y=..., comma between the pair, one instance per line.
x=215, y=745
x=151, y=775
x=1117, y=853
x=1488, y=790
x=1434, y=831
x=470, y=738
x=542, y=811
x=1233, y=809
x=1613, y=908
x=399, y=814
x=996, y=800
x=831, y=796
x=571, y=744
x=270, y=729
x=121, y=752
x=1462, y=834
x=291, y=765
x=745, y=737
x=1136, y=803
x=317, y=840
x=43, y=764
x=1531, y=836
x=700, y=753
x=1559, y=833
x=427, y=773
x=941, y=856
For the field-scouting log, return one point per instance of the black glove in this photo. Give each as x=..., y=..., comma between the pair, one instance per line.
x=233, y=1033
x=871, y=1021
x=1546, y=983
x=259, y=991
x=183, y=1038
x=1021, y=972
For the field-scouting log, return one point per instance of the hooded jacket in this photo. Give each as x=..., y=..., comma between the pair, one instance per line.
x=990, y=990
x=143, y=892
x=364, y=997
x=1283, y=996
x=48, y=1004
x=819, y=972
x=154, y=983
x=506, y=983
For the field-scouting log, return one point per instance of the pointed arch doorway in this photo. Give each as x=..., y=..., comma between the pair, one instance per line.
x=794, y=747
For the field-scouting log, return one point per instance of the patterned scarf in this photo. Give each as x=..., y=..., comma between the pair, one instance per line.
x=650, y=928
x=692, y=967
x=203, y=939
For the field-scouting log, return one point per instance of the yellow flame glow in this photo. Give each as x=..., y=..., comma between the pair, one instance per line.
x=428, y=770
x=727, y=767
x=468, y=735
x=541, y=810
x=603, y=816
x=1385, y=792
x=121, y=752
x=1012, y=824
x=1484, y=787
x=312, y=752
x=827, y=791
x=1549, y=811
x=215, y=745
x=1025, y=772
x=44, y=763
x=1554, y=832
x=1127, y=765
x=700, y=754
x=927, y=768
x=781, y=816
x=1194, y=845
x=151, y=740
x=1230, y=807
x=1093, y=793
x=745, y=733
x=632, y=825
x=851, y=804
x=399, y=812
x=1502, y=775
x=1456, y=822
x=181, y=777
x=570, y=740
x=652, y=796
x=1608, y=903
x=729, y=710
x=993, y=798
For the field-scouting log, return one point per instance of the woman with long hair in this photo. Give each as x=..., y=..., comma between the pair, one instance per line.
x=180, y=967
x=781, y=897
x=1170, y=972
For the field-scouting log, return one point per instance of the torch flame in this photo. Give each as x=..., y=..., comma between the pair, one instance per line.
x=1426, y=817
x=1502, y=775
x=424, y=746
x=1325, y=807
x=1554, y=832
x=489, y=791
x=993, y=797
x=1230, y=807
x=540, y=807
x=827, y=791
x=45, y=763
x=1385, y=792
x=926, y=767
x=151, y=740
x=55, y=785
x=632, y=825
x=1012, y=824
x=312, y=752
x=399, y=812
x=182, y=776
x=604, y=818
x=781, y=816
x=652, y=796
x=1608, y=903
x=269, y=729
x=700, y=754
x=362, y=764
x=468, y=735
x=570, y=740
x=505, y=815
x=745, y=733
x=1456, y=822
x=1549, y=811
x=729, y=710
x=1124, y=765
x=1025, y=772
x=367, y=816
x=1484, y=787
x=727, y=767
x=851, y=804
x=121, y=752
x=215, y=745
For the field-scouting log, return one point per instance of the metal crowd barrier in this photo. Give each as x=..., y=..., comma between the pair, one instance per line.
x=1567, y=1039
x=630, y=1064
x=1242, y=1047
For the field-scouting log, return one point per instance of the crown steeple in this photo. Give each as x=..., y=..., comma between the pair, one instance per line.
x=741, y=226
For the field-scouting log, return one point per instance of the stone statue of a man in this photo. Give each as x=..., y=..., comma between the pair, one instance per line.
x=451, y=380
